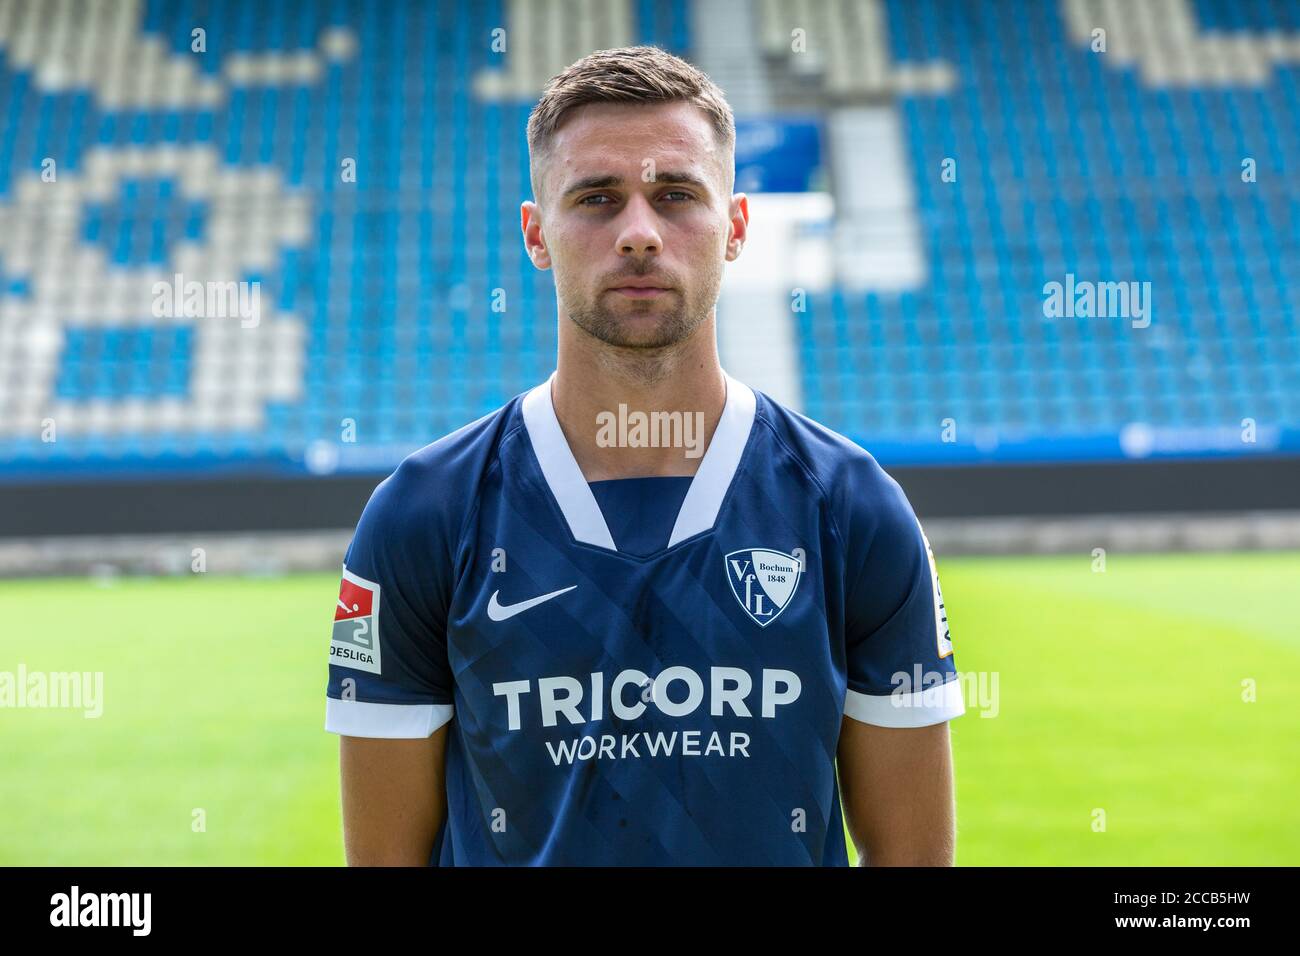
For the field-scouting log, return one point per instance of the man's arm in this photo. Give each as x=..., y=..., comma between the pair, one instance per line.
x=394, y=799
x=897, y=791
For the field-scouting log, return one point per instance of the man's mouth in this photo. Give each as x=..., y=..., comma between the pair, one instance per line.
x=640, y=291
x=641, y=287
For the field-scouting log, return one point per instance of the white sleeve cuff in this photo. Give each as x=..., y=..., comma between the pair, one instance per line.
x=354, y=718
x=933, y=705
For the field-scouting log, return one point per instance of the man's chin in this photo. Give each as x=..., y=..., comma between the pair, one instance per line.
x=640, y=329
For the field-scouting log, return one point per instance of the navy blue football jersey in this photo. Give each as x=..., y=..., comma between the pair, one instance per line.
x=675, y=703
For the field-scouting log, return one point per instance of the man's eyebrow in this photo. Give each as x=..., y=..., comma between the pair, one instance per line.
x=684, y=179
x=593, y=182
x=609, y=181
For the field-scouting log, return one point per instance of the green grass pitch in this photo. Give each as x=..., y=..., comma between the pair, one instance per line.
x=1116, y=733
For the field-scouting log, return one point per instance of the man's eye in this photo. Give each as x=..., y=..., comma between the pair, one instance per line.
x=587, y=200
x=678, y=192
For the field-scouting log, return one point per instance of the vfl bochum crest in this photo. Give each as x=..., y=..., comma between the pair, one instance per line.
x=763, y=581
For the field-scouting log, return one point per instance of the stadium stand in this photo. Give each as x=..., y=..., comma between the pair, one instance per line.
x=360, y=166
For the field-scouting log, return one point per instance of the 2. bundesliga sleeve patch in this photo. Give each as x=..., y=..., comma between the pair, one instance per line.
x=355, y=642
x=940, y=612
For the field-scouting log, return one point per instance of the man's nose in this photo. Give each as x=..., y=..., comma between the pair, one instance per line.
x=639, y=235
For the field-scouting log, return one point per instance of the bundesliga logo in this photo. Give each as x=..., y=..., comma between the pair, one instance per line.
x=763, y=581
x=355, y=641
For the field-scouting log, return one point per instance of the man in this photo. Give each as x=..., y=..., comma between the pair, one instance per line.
x=561, y=640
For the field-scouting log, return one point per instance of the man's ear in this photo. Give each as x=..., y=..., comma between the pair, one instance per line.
x=530, y=223
x=739, y=225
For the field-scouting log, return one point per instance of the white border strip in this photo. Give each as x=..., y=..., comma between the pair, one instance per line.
x=355, y=718
x=709, y=486
x=560, y=470
x=933, y=705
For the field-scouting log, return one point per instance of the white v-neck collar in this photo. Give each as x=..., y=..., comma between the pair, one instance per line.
x=708, y=487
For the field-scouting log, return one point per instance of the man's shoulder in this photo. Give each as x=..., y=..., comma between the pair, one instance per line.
x=470, y=447
x=838, y=464
x=441, y=480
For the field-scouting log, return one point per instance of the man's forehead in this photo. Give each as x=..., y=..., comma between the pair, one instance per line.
x=614, y=137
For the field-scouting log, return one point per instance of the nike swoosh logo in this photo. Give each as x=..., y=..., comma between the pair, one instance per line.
x=503, y=612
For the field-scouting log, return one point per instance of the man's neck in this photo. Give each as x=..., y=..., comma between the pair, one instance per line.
x=606, y=398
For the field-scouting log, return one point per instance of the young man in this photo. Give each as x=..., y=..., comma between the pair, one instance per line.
x=561, y=640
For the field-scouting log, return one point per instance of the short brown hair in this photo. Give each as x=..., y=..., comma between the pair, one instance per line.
x=630, y=74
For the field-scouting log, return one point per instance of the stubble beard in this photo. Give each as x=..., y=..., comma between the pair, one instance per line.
x=617, y=327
